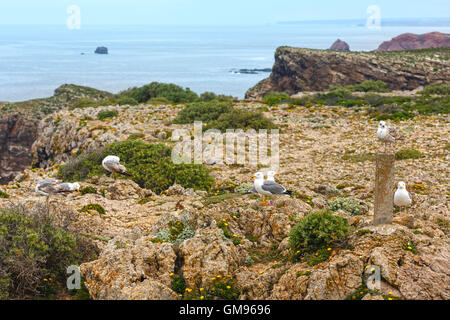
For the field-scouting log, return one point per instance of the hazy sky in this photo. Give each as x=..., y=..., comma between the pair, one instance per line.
x=211, y=12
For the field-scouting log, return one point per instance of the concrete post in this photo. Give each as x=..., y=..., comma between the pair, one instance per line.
x=384, y=188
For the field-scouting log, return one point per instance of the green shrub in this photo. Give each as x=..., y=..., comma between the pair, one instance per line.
x=87, y=190
x=203, y=111
x=178, y=284
x=176, y=232
x=408, y=154
x=86, y=165
x=171, y=92
x=158, y=101
x=370, y=86
x=107, y=114
x=150, y=164
x=83, y=103
x=92, y=207
x=275, y=98
x=4, y=195
x=127, y=101
x=348, y=205
x=209, y=96
x=437, y=88
x=241, y=119
x=224, y=288
x=36, y=248
x=316, y=231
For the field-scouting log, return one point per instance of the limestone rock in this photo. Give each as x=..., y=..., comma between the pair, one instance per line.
x=208, y=254
x=127, y=270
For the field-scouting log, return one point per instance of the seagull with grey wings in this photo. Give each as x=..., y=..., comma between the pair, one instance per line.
x=387, y=134
x=112, y=164
x=270, y=176
x=49, y=187
x=268, y=187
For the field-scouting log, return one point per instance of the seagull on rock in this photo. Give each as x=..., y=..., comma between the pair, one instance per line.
x=48, y=187
x=267, y=187
x=112, y=164
x=402, y=198
x=387, y=134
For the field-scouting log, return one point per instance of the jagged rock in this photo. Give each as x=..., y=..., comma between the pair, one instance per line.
x=340, y=45
x=207, y=255
x=132, y=271
x=17, y=134
x=411, y=41
x=406, y=220
x=126, y=189
x=296, y=70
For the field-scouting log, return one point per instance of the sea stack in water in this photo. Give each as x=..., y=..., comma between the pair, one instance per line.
x=101, y=50
x=340, y=45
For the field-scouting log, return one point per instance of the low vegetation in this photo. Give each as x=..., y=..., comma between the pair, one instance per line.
x=349, y=206
x=408, y=154
x=150, y=164
x=316, y=233
x=434, y=99
x=36, y=247
x=107, y=114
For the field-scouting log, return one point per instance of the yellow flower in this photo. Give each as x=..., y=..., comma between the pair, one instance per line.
x=213, y=278
x=201, y=289
x=202, y=297
x=228, y=287
x=329, y=249
x=218, y=276
x=171, y=274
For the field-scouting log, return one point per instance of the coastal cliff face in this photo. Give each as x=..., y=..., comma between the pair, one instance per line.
x=298, y=69
x=17, y=134
x=411, y=41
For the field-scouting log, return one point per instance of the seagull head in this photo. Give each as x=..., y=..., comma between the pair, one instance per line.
x=259, y=175
x=382, y=124
x=75, y=186
x=401, y=185
x=271, y=174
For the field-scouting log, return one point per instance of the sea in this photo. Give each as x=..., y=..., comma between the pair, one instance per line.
x=36, y=59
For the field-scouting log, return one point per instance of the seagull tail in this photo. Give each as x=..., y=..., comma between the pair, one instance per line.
x=288, y=192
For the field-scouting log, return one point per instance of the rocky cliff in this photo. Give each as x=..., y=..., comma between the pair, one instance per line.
x=297, y=69
x=17, y=134
x=411, y=41
x=340, y=45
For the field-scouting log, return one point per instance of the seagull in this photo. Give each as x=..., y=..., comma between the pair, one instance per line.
x=252, y=189
x=271, y=176
x=387, y=134
x=112, y=164
x=48, y=187
x=267, y=187
x=402, y=198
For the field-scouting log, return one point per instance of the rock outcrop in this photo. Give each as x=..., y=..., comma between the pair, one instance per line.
x=411, y=41
x=340, y=45
x=298, y=69
x=17, y=134
x=101, y=50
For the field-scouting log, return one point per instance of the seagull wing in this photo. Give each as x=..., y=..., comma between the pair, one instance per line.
x=273, y=187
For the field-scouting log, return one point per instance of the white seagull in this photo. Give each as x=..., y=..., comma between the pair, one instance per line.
x=48, y=187
x=402, y=198
x=387, y=134
x=271, y=176
x=267, y=187
x=112, y=164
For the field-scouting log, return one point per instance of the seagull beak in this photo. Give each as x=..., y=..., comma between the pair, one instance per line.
x=253, y=176
x=277, y=174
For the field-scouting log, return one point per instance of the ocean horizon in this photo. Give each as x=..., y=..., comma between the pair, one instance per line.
x=34, y=60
